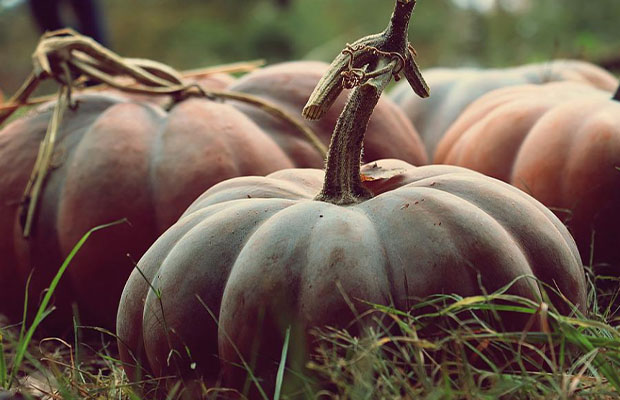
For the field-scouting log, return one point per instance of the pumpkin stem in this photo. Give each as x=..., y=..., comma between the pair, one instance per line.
x=617, y=95
x=366, y=66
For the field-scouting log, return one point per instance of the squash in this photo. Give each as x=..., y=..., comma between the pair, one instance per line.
x=302, y=248
x=559, y=142
x=118, y=157
x=456, y=88
x=262, y=255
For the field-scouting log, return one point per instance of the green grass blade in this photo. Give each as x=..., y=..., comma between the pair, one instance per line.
x=42, y=310
x=282, y=366
x=3, y=371
x=22, y=330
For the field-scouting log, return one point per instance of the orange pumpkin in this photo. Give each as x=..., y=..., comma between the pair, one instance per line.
x=455, y=89
x=117, y=158
x=301, y=248
x=559, y=142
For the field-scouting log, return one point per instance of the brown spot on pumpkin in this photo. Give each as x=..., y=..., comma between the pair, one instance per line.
x=405, y=206
x=321, y=216
x=432, y=184
x=249, y=197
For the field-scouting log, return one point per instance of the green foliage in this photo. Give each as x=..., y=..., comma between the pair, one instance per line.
x=193, y=34
x=446, y=346
x=26, y=335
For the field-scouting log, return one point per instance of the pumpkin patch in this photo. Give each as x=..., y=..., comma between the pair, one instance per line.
x=119, y=157
x=256, y=257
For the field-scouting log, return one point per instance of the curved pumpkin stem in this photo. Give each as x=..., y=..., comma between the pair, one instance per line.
x=342, y=184
x=617, y=95
x=367, y=66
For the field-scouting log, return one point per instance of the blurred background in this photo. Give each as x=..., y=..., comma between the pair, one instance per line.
x=198, y=33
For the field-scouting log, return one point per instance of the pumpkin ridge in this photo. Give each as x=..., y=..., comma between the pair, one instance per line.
x=579, y=134
x=163, y=282
x=524, y=202
x=51, y=226
x=539, y=119
x=295, y=268
x=141, y=281
x=538, y=130
x=534, y=208
x=447, y=202
x=157, y=147
x=225, y=192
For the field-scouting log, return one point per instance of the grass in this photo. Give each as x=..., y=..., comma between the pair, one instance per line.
x=466, y=357
x=444, y=347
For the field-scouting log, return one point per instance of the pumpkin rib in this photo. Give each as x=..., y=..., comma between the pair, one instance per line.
x=538, y=208
x=100, y=156
x=566, y=158
x=469, y=202
x=581, y=130
x=271, y=277
x=445, y=212
x=183, y=272
x=228, y=191
x=133, y=298
x=570, y=145
x=226, y=130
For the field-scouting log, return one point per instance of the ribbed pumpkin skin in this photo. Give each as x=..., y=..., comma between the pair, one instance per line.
x=262, y=255
x=118, y=158
x=559, y=142
x=115, y=159
x=452, y=90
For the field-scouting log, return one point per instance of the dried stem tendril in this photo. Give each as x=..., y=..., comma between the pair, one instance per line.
x=354, y=77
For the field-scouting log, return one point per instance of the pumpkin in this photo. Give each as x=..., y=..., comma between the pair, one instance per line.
x=301, y=248
x=262, y=255
x=118, y=158
x=559, y=142
x=455, y=89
